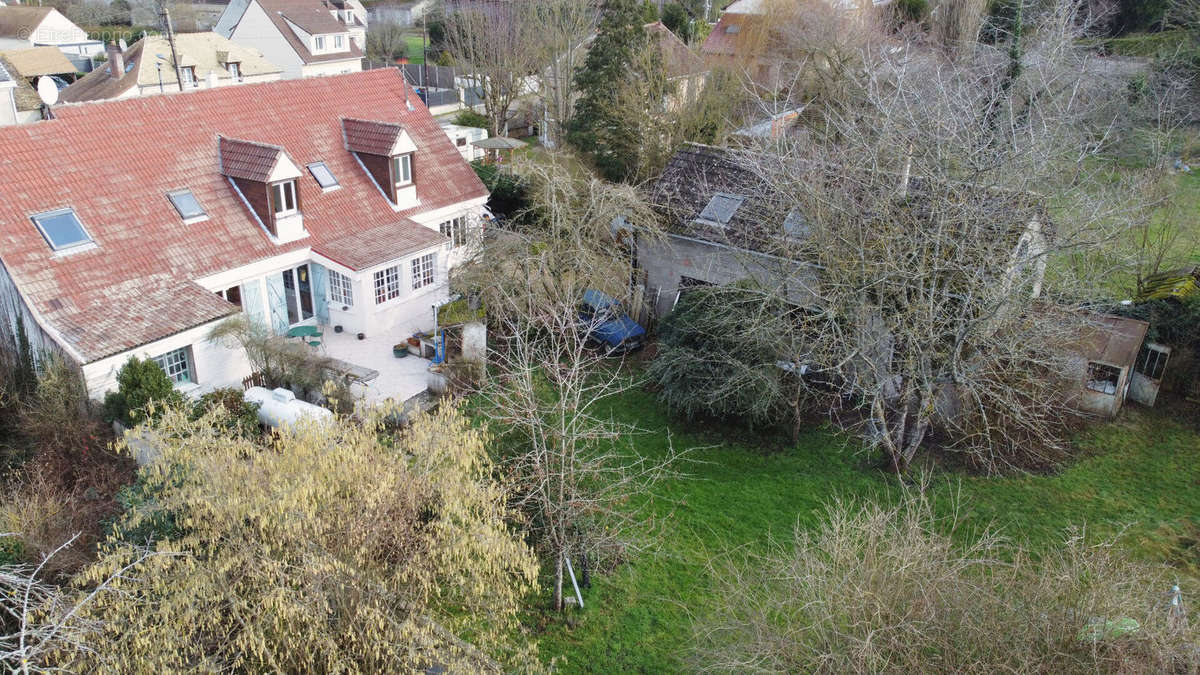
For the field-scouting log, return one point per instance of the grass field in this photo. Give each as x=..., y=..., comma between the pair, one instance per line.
x=1137, y=472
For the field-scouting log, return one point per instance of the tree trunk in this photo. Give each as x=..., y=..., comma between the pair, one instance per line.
x=558, y=582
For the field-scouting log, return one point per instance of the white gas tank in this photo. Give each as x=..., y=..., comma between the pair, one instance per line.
x=280, y=407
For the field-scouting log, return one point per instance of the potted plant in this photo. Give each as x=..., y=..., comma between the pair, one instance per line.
x=400, y=350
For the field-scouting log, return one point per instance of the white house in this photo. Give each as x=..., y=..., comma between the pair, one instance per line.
x=24, y=26
x=8, y=97
x=146, y=67
x=306, y=37
x=133, y=227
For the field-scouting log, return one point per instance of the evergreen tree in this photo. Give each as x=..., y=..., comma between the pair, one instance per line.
x=598, y=129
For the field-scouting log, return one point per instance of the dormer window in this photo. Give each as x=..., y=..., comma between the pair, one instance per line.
x=402, y=170
x=188, y=207
x=319, y=43
x=235, y=70
x=62, y=229
x=339, y=42
x=385, y=151
x=283, y=199
x=188, y=73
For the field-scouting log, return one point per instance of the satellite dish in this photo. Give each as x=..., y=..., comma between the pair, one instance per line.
x=47, y=90
x=122, y=45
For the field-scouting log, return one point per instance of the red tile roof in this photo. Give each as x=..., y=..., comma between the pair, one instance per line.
x=248, y=160
x=367, y=248
x=113, y=162
x=374, y=138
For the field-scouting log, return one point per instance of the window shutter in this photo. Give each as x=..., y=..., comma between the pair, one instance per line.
x=320, y=291
x=252, y=302
x=277, y=303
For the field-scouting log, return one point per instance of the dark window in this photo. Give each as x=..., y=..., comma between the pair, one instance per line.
x=461, y=141
x=283, y=198
x=1103, y=378
x=1151, y=362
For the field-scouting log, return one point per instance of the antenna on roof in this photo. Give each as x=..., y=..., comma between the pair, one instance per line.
x=48, y=92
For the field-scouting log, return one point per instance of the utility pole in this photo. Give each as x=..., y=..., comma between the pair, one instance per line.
x=424, y=52
x=166, y=20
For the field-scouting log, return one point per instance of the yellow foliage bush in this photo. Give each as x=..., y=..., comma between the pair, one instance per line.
x=338, y=548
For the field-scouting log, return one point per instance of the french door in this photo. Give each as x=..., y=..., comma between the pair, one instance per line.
x=298, y=294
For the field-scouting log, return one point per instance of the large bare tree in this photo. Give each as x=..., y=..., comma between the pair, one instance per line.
x=564, y=28
x=953, y=212
x=498, y=43
x=577, y=475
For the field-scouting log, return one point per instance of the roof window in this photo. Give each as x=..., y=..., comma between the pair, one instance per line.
x=323, y=175
x=186, y=204
x=62, y=229
x=721, y=208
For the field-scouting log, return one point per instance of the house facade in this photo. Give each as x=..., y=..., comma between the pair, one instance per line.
x=306, y=37
x=24, y=26
x=205, y=60
x=341, y=204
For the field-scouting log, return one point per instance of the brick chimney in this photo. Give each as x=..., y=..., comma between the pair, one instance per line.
x=116, y=61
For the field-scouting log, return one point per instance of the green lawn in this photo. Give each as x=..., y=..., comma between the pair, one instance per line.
x=415, y=54
x=1139, y=471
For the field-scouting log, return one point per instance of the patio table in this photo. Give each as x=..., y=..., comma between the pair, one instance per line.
x=303, y=332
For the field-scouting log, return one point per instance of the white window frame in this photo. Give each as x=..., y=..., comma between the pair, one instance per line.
x=179, y=365
x=404, y=177
x=188, y=73
x=319, y=43
x=278, y=198
x=456, y=230
x=424, y=271
x=339, y=42
x=387, y=284
x=341, y=289
x=235, y=69
x=87, y=241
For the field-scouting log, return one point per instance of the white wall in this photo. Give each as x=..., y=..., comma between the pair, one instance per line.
x=145, y=90
x=351, y=65
x=8, y=104
x=216, y=364
x=258, y=31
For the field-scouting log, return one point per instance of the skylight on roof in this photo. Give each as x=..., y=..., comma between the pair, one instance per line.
x=186, y=204
x=721, y=208
x=62, y=229
x=323, y=175
x=795, y=225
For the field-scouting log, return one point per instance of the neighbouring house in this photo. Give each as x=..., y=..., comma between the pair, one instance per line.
x=206, y=60
x=746, y=36
x=23, y=26
x=133, y=227
x=685, y=70
x=463, y=137
x=26, y=66
x=720, y=229
x=305, y=37
x=8, y=97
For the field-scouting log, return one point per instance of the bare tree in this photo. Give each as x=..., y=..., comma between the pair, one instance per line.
x=42, y=619
x=576, y=471
x=564, y=28
x=953, y=213
x=499, y=43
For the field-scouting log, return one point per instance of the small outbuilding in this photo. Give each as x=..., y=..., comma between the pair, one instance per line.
x=1108, y=351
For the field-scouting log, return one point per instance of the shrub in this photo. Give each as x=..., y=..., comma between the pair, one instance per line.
x=43, y=515
x=470, y=118
x=284, y=363
x=898, y=589
x=242, y=415
x=329, y=549
x=142, y=388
